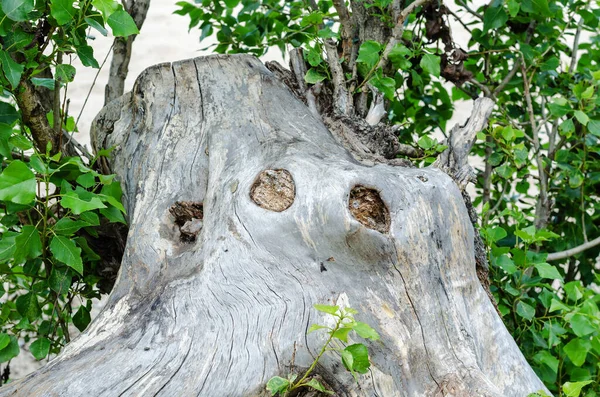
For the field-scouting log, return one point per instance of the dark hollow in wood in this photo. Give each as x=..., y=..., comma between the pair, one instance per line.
x=273, y=190
x=367, y=207
x=188, y=216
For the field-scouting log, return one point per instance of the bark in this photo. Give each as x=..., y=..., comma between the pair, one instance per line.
x=244, y=212
x=122, y=47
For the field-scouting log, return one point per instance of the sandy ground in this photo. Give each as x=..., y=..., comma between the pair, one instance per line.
x=164, y=38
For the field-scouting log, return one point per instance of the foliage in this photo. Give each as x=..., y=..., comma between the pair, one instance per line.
x=50, y=204
x=539, y=161
x=354, y=357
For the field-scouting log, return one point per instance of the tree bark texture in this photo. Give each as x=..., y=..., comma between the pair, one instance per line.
x=217, y=303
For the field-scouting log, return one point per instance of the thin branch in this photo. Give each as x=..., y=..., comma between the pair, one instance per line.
x=573, y=251
x=541, y=212
x=575, y=46
x=470, y=10
x=93, y=84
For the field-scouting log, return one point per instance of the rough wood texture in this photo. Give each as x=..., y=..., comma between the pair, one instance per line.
x=221, y=315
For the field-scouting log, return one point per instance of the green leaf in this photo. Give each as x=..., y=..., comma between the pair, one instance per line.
x=513, y=7
x=17, y=183
x=315, y=384
x=64, y=73
x=426, y=142
x=526, y=311
x=431, y=64
x=558, y=305
x=577, y=351
x=550, y=64
x=68, y=227
x=65, y=250
x=122, y=24
x=8, y=113
x=82, y=318
x=316, y=327
x=594, y=127
x=106, y=7
x=327, y=309
x=496, y=233
x=277, y=385
x=8, y=246
x=365, y=331
x=545, y=357
x=348, y=361
x=546, y=270
x=398, y=56
x=28, y=244
x=386, y=85
x=60, y=280
x=10, y=351
x=43, y=82
x=91, y=218
x=369, y=53
x=86, y=180
x=581, y=325
x=4, y=340
x=342, y=334
x=507, y=264
x=313, y=77
x=17, y=10
x=76, y=204
x=113, y=214
x=573, y=290
x=86, y=56
x=360, y=357
x=581, y=117
x=573, y=389
x=494, y=18
x=40, y=348
x=231, y=3
x=12, y=70
x=62, y=10
x=97, y=25
x=28, y=306
x=541, y=7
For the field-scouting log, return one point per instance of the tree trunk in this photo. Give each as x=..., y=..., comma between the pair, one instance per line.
x=215, y=299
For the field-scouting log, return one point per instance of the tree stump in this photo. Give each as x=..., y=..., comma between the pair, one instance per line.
x=245, y=211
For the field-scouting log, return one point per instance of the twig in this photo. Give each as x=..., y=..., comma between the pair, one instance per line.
x=470, y=10
x=541, y=212
x=573, y=251
x=93, y=84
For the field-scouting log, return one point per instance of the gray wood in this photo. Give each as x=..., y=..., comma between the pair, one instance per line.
x=221, y=315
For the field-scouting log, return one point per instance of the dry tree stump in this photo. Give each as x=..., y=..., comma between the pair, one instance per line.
x=245, y=211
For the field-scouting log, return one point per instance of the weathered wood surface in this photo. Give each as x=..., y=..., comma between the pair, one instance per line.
x=220, y=316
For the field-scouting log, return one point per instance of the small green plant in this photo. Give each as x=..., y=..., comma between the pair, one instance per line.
x=355, y=357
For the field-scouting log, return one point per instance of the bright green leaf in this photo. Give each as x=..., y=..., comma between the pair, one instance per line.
x=315, y=384
x=386, y=85
x=360, y=356
x=86, y=55
x=327, y=308
x=546, y=270
x=64, y=73
x=525, y=310
x=17, y=10
x=573, y=389
x=577, y=351
x=431, y=64
x=342, y=334
x=582, y=325
x=494, y=18
x=65, y=250
x=12, y=69
x=122, y=24
x=314, y=77
x=43, y=82
x=28, y=244
x=10, y=351
x=106, y=7
x=17, y=183
x=581, y=117
x=76, y=204
x=68, y=227
x=40, y=348
x=62, y=10
x=4, y=340
x=277, y=385
x=368, y=53
x=365, y=331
